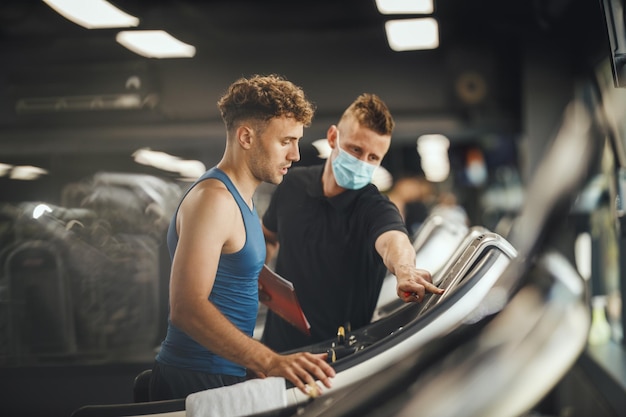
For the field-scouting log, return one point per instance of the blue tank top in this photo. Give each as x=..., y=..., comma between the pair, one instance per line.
x=234, y=293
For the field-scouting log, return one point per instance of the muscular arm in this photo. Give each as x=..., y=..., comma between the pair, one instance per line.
x=398, y=254
x=209, y=224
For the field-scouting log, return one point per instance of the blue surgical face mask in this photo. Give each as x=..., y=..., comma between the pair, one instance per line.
x=351, y=172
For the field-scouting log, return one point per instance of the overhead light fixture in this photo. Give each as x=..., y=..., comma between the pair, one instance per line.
x=323, y=148
x=188, y=169
x=433, y=152
x=155, y=44
x=26, y=172
x=93, y=14
x=132, y=101
x=412, y=34
x=5, y=169
x=405, y=6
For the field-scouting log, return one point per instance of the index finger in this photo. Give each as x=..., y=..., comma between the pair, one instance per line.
x=430, y=287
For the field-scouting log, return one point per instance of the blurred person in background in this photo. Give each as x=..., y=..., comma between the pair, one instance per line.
x=413, y=195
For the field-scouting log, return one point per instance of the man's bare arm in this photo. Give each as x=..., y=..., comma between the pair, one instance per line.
x=193, y=275
x=398, y=254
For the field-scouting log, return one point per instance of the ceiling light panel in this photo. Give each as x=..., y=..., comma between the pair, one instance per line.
x=405, y=6
x=93, y=14
x=412, y=34
x=155, y=44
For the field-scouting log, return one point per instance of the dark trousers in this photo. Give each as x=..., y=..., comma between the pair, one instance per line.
x=169, y=382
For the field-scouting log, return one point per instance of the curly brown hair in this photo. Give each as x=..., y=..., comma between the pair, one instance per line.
x=371, y=112
x=262, y=98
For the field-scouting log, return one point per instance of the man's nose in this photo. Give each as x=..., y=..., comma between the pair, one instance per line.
x=294, y=152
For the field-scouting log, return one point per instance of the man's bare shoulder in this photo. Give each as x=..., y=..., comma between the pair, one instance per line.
x=210, y=195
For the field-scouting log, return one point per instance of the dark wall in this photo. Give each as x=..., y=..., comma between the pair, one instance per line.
x=55, y=81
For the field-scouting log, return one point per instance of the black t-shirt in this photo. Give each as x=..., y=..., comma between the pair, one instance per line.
x=327, y=250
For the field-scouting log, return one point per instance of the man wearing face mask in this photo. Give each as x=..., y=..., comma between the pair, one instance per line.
x=336, y=235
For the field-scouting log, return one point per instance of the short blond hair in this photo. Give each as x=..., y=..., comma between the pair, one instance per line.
x=371, y=112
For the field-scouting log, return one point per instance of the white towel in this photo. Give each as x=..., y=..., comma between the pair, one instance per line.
x=243, y=399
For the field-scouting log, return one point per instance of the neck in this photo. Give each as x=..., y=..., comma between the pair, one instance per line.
x=329, y=184
x=241, y=178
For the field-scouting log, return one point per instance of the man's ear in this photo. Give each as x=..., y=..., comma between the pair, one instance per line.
x=331, y=136
x=245, y=136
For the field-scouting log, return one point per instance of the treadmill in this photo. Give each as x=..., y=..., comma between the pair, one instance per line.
x=530, y=327
x=434, y=243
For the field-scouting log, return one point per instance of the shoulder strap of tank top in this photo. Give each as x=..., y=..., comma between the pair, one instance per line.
x=221, y=175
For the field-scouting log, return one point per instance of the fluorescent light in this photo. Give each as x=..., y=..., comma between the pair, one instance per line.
x=93, y=14
x=405, y=6
x=155, y=44
x=79, y=103
x=433, y=152
x=5, y=169
x=162, y=160
x=26, y=172
x=412, y=34
x=323, y=148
